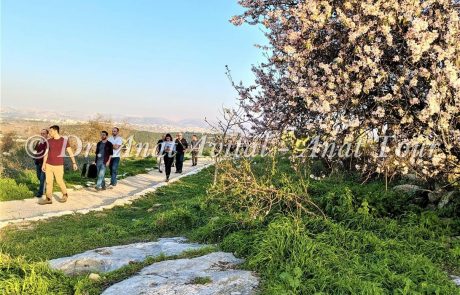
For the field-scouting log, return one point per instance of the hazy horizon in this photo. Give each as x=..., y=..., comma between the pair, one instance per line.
x=142, y=58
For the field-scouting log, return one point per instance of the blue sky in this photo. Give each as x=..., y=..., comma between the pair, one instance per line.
x=136, y=57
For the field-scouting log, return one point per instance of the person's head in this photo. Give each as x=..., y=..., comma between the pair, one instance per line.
x=44, y=133
x=104, y=135
x=179, y=135
x=168, y=137
x=115, y=131
x=194, y=137
x=54, y=130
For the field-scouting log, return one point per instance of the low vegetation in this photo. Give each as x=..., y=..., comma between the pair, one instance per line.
x=369, y=240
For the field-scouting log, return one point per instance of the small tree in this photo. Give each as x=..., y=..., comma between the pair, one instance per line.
x=7, y=143
x=228, y=122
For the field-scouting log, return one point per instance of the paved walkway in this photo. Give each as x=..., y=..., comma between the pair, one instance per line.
x=88, y=199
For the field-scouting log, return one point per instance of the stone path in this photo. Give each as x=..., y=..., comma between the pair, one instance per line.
x=212, y=274
x=87, y=200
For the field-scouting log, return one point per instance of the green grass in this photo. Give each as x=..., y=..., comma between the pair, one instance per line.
x=373, y=241
x=201, y=281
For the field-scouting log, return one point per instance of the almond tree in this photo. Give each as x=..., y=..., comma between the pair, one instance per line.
x=341, y=69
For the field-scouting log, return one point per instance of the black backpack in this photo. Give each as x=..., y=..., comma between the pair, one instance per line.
x=89, y=170
x=92, y=171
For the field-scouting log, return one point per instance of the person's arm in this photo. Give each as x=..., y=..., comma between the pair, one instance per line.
x=97, y=151
x=45, y=158
x=162, y=148
x=116, y=146
x=110, y=153
x=74, y=163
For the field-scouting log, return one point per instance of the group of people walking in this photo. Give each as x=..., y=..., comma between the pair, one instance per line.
x=50, y=152
x=172, y=152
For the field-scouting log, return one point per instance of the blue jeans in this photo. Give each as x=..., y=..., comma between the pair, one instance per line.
x=114, y=170
x=41, y=177
x=100, y=183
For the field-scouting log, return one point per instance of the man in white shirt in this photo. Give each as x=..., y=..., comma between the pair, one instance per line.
x=117, y=142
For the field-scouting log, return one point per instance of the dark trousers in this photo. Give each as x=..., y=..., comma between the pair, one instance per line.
x=114, y=163
x=179, y=161
x=168, y=163
x=194, y=158
x=41, y=178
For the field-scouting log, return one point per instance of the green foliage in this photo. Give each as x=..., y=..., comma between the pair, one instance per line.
x=370, y=242
x=10, y=190
x=201, y=280
x=19, y=276
x=310, y=256
x=174, y=220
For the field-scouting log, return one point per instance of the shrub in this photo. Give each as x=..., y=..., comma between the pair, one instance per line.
x=261, y=190
x=10, y=190
x=334, y=259
x=19, y=276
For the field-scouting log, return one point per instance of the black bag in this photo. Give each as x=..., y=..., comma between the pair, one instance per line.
x=92, y=171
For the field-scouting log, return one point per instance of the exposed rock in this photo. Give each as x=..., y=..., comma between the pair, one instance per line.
x=407, y=188
x=94, y=277
x=447, y=198
x=412, y=177
x=433, y=197
x=154, y=206
x=456, y=280
x=112, y=258
x=178, y=277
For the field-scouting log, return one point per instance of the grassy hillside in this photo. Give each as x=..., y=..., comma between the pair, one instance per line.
x=372, y=241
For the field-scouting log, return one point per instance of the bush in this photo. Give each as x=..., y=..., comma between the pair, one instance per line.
x=19, y=276
x=332, y=259
x=258, y=190
x=10, y=190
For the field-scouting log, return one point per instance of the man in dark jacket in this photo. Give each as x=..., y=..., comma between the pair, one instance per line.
x=40, y=149
x=104, y=152
x=181, y=147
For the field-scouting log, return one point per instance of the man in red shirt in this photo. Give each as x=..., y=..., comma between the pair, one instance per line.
x=53, y=164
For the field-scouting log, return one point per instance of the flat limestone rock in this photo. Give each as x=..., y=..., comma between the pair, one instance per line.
x=211, y=274
x=456, y=280
x=112, y=258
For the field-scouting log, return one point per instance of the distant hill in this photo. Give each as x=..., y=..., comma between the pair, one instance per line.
x=137, y=122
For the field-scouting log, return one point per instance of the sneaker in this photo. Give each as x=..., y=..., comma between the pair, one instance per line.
x=45, y=201
x=110, y=186
x=63, y=199
x=167, y=179
x=98, y=188
x=161, y=171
